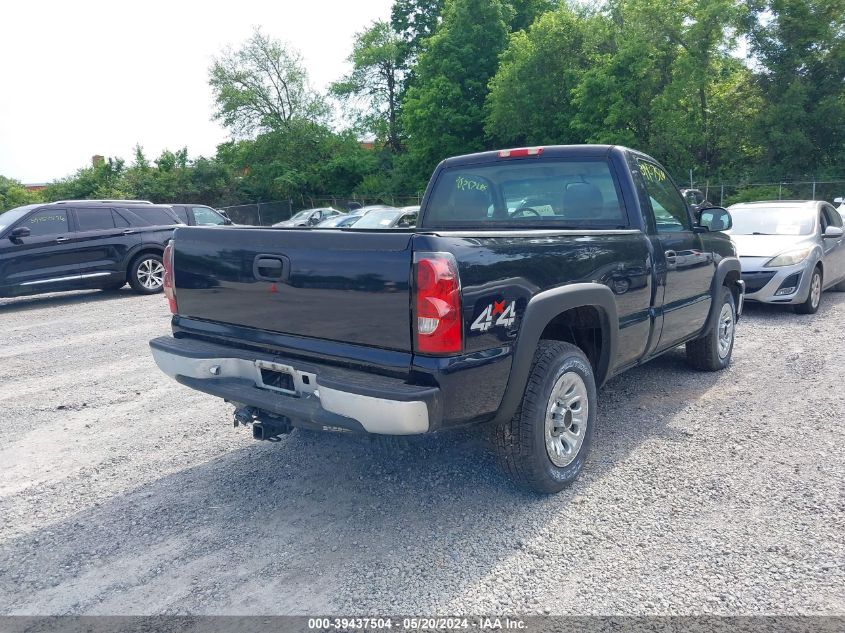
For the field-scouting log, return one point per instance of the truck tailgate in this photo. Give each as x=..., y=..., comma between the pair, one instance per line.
x=342, y=286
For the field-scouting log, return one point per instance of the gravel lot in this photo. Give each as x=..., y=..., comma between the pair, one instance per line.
x=122, y=492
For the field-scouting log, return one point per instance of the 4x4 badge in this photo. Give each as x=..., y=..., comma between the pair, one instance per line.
x=506, y=316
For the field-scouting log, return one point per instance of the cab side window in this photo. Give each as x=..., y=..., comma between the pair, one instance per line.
x=206, y=217
x=670, y=210
x=47, y=222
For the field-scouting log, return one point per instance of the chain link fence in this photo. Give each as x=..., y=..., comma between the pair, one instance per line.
x=268, y=213
x=725, y=194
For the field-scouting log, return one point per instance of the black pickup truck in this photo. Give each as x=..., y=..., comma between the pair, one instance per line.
x=533, y=276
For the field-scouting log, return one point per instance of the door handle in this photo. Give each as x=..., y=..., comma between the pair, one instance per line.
x=128, y=232
x=271, y=267
x=61, y=240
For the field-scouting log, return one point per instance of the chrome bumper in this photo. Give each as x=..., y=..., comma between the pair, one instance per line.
x=321, y=396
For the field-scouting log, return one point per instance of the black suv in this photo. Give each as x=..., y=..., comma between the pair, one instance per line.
x=74, y=245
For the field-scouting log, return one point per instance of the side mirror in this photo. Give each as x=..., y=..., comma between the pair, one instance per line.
x=715, y=219
x=20, y=232
x=839, y=200
x=314, y=220
x=227, y=221
x=833, y=232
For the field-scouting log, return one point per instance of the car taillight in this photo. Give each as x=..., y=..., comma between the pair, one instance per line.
x=439, y=329
x=169, y=287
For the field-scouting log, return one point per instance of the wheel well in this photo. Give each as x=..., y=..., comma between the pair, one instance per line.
x=144, y=251
x=582, y=327
x=730, y=281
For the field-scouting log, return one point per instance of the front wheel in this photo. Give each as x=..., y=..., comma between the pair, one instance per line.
x=544, y=446
x=713, y=351
x=814, y=297
x=146, y=274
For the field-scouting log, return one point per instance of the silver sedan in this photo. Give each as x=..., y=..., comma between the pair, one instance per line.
x=790, y=251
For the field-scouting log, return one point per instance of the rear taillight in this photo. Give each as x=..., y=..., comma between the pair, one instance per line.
x=169, y=287
x=439, y=329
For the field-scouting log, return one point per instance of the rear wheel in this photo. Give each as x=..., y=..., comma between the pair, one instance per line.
x=146, y=274
x=814, y=297
x=544, y=446
x=713, y=351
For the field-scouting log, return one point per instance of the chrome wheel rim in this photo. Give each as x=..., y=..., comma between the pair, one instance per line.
x=151, y=274
x=566, y=419
x=726, y=330
x=816, y=290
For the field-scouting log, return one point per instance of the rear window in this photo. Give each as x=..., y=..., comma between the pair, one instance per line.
x=154, y=216
x=555, y=194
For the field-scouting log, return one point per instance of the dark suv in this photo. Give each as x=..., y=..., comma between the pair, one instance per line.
x=74, y=245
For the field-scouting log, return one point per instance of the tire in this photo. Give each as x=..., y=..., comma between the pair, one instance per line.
x=532, y=446
x=146, y=274
x=713, y=351
x=814, y=296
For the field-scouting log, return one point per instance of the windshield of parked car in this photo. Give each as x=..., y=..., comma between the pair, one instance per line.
x=763, y=220
x=551, y=193
x=378, y=219
x=301, y=215
x=13, y=215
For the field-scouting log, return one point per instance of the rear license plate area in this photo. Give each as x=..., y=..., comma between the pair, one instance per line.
x=276, y=377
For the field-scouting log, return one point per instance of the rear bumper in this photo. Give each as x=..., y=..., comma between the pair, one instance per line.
x=320, y=396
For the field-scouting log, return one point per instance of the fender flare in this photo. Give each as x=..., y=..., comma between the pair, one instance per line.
x=539, y=312
x=725, y=266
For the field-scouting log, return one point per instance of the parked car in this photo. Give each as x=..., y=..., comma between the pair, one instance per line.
x=790, y=251
x=388, y=219
x=85, y=244
x=200, y=215
x=516, y=317
x=309, y=217
x=340, y=221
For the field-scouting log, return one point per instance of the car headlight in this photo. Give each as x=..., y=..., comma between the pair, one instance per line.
x=789, y=258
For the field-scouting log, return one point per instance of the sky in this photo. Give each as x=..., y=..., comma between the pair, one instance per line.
x=86, y=77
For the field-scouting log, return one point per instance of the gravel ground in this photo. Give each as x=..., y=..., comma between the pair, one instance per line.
x=122, y=492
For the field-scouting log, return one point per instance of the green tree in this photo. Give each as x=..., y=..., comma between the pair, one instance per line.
x=373, y=86
x=14, y=194
x=443, y=112
x=414, y=21
x=262, y=86
x=800, y=48
x=104, y=180
x=530, y=100
x=525, y=12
